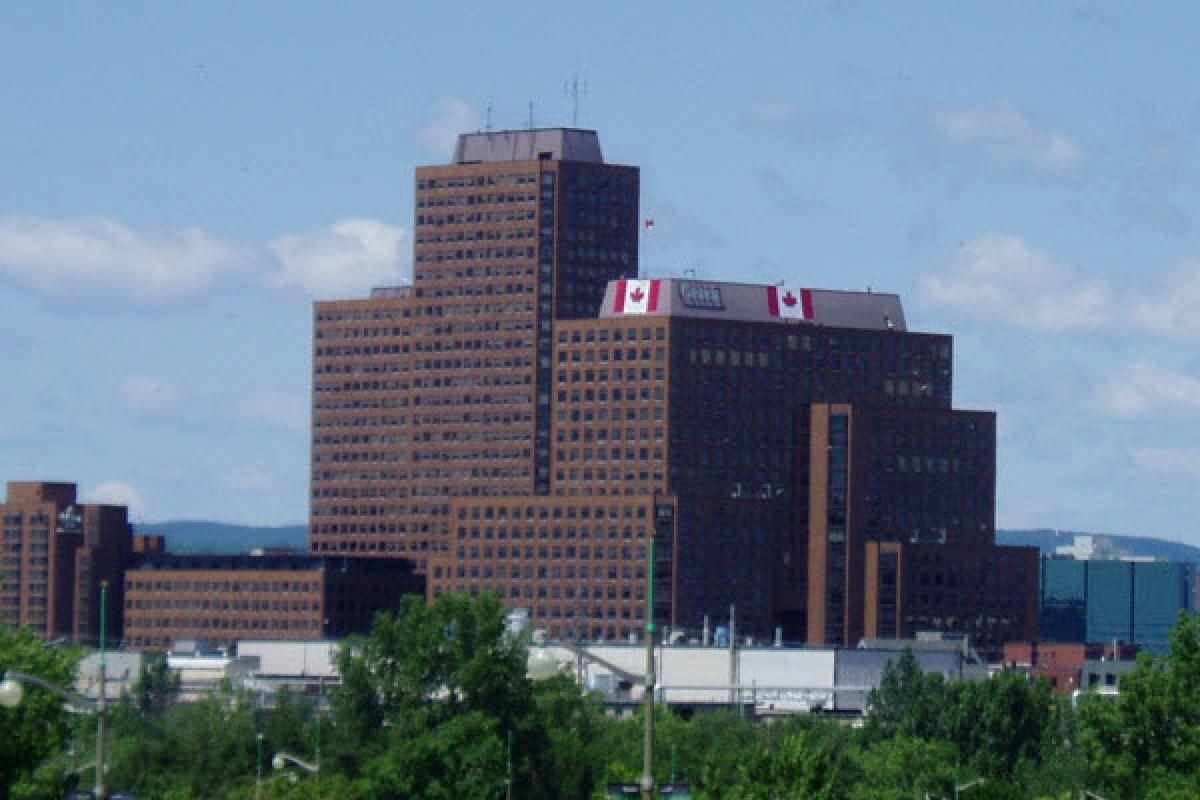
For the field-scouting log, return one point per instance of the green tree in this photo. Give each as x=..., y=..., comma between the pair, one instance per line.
x=564, y=741
x=203, y=749
x=909, y=702
x=800, y=762
x=1151, y=731
x=37, y=727
x=463, y=757
x=444, y=680
x=157, y=686
x=291, y=726
x=904, y=767
x=999, y=723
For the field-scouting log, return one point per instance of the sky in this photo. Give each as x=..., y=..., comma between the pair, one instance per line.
x=178, y=182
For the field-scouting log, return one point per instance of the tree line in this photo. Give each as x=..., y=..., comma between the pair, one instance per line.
x=434, y=704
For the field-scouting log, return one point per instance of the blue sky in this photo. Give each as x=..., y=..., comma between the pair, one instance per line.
x=179, y=181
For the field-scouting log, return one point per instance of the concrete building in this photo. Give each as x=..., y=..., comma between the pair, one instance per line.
x=220, y=599
x=528, y=415
x=54, y=555
x=758, y=681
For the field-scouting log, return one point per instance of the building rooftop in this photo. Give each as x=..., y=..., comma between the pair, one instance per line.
x=558, y=144
x=753, y=302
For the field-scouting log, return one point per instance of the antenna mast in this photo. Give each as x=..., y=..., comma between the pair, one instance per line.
x=488, y=124
x=576, y=92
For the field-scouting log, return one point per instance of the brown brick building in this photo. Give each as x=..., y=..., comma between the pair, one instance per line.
x=1062, y=663
x=54, y=554
x=219, y=599
x=527, y=414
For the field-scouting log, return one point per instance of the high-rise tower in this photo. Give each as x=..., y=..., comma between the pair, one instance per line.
x=442, y=389
x=54, y=554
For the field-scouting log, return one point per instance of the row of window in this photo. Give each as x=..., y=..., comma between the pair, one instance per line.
x=188, y=604
x=467, y=181
x=221, y=587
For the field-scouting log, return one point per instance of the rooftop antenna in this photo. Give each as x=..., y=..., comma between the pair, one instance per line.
x=576, y=92
x=689, y=272
x=530, y=115
x=488, y=123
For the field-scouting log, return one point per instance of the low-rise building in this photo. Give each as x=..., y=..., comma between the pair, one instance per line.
x=218, y=600
x=1096, y=600
x=1063, y=663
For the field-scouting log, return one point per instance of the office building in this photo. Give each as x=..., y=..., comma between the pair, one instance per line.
x=441, y=389
x=528, y=413
x=1096, y=601
x=221, y=599
x=54, y=555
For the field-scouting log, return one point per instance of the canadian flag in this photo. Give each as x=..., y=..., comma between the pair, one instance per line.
x=789, y=303
x=636, y=297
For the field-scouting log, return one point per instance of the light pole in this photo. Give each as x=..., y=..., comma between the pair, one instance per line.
x=648, y=692
x=102, y=705
x=11, y=692
x=258, y=740
x=317, y=744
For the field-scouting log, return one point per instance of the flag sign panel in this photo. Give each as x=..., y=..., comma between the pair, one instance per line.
x=789, y=303
x=636, y=297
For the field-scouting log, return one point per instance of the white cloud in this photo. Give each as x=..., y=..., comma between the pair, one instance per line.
x=65, y=258
x=1179, y=463
x=1009, y=137
x=1170, y=308
x=118, y=494
x=1002, y=279
x=1145, y=388
x=344, y=260
x=143, y=393
x=440, y=134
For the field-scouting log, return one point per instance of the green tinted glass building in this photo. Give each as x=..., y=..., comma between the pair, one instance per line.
x=1096, y=601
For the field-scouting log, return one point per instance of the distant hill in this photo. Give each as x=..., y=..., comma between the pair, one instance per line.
x=198, y=536
x=1047, y=540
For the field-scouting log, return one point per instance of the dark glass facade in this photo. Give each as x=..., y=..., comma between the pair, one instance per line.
x=1099, y=601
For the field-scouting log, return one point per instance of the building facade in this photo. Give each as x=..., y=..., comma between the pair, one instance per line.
x=528, y=416
x=1102, y=600
x=1063, y=664
x=54, y=555
x=221, y=599
x=441, y=389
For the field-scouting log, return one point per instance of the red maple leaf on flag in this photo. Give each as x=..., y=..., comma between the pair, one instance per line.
x=789, y=299
x=637, y=294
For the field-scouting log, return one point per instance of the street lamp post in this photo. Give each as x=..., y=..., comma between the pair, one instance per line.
x=11, y=692
x=962, y=787
x=102, y=698
x=282, y=759
x=258, y=741
x=648, y=692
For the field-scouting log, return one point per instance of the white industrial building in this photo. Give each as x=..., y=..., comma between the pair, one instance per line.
x=756, y=679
